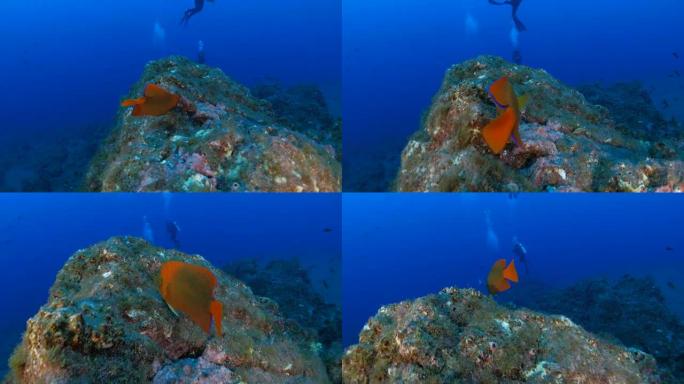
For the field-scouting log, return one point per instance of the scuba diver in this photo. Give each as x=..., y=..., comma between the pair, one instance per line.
x=172, y=229
x=515, y=4
x=520, y=251
x=199, y=5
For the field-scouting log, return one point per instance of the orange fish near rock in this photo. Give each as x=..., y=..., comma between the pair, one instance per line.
x=500, y=130
x=156, y=102
x=500, y=275
x=189, y=288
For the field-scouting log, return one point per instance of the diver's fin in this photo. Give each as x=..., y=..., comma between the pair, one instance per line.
x=519, y=25
x=216, y=310
x=497, y=133
x=510, y=273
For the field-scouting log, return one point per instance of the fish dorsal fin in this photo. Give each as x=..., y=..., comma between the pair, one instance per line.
x=522, y=101
x=510, y=273
x=216, y=310
x=497, y=133
x=153, y=90
x=501, y=91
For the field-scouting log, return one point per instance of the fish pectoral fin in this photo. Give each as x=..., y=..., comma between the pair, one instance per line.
x=510, y=273
x=172, y=310
x=522, y=101
x=497, y=133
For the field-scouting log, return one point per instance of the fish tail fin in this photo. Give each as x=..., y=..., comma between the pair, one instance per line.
x=497, y=133
x=132, y=102
x=516, y=135
x=510, y=273
x=216, y=310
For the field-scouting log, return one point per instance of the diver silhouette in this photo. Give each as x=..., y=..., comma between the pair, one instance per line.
x=515, y=4
x=199, y=5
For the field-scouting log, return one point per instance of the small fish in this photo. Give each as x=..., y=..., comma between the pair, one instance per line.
x=505, y=127
x=500, y=275
x=675, y=55
x=669, y=248
x=327, y=229
x=671, y=285
x=189, y=289
x=156, y=102
x=676, y=73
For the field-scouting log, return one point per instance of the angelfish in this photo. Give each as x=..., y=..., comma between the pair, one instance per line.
x=156, y=102
x=500, y=275
x=189, y=289
x=506, y=126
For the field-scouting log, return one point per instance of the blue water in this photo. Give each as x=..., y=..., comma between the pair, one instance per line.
x=66, y=64
x=395, y=54
x=402, y=246
x=38, y=233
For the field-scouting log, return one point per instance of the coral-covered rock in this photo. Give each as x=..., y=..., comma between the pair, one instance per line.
x=219, y=138
x=304, y=109
x=630, y=310
x=288, y=284
x=460, y=335
x=570, y=144
x=105, y=322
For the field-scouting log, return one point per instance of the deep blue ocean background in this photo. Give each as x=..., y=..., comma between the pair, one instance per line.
x=39, y=232
x=395, y=54
x=402, y=246
x=66, y=64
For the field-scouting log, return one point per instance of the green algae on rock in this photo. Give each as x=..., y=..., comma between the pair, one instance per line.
x=570, y=144
x=462, y=336
x=106, y=322
x=220, y=138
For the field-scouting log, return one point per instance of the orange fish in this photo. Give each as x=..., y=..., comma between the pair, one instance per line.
x=156, y=102
x=500, y=130
x=189, y=289
x=498, y=278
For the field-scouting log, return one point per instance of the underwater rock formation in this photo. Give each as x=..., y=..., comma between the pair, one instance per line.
x=106, y=322
x=303, y=108
x=569, y=143
x=288, y=284
x=630, y=310
x=632, y=108
x=219, y=138
x=460, y=335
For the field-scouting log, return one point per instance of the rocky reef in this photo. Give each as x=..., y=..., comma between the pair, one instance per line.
x=105, y=322
x=55, y=160
x=304, y=109
x=460, y=335
x=570, y=144
x=629, y=310
x=288, y=284
x=219, y=138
